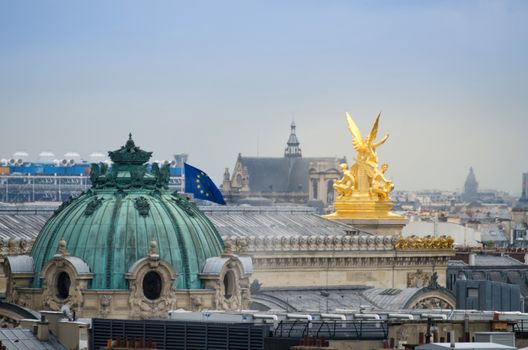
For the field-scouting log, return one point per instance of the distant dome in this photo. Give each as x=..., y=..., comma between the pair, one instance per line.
x=46, y=156
x=72, y=155
x=97, y=157
x=20, y=154
x=111, y=226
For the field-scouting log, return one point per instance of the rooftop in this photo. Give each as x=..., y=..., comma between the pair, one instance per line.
x=243, y=221
x=333, y=298
x=24, y=339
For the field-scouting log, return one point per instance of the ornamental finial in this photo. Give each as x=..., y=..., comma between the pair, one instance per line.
x=130, y=136
x=62, y=250
x=153, y=249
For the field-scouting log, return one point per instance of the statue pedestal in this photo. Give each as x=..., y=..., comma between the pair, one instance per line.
x=387, y=227
x=373, y=216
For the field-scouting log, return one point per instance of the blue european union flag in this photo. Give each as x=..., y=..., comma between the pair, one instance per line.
x=201, y=186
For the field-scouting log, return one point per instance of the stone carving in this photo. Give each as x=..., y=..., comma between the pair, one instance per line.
x=255, y=286
x=433, y=283
x=304, y=243
x=196, y=303
x=142, y=205
x=105, y=303
x=432, y=303
x=92, y=206
x=12, y=247
x=228, y=247
x=368, y=261
x=427, y=242
x=141, y=307
x=418, y=279
x=153, y=250
x=62, y=249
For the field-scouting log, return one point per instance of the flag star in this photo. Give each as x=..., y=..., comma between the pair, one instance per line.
x=201, y=191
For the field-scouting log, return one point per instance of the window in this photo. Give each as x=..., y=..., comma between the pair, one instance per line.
x=152, y=285
x=472, y=292
x=63, y=285
x=330, y=192
x=315, y=185
x=229, y=284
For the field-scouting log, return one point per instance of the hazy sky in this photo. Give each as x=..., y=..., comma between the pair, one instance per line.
x=217, y=78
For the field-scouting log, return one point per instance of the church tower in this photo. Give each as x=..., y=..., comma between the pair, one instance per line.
x=292, y=150
x=470, y=187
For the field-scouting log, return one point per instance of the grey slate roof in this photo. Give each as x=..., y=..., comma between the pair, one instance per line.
x=23, y=339
x=278, y=174
x=231, y=221
x=271, y=221
x=351, y=298
x=465, y=346
x=490, y=260
x=22, y=226
x=20, y=263
x=390, y=299
x=492, y=232
x=521, y=205
x=483, y=260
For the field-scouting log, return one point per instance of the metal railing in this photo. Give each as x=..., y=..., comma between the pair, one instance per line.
x=331, y=329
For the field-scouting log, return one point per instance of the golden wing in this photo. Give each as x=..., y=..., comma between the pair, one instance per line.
x=374, y=132
x=357, y=139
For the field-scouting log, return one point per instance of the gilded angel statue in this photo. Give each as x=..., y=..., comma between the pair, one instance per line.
x=366, y=147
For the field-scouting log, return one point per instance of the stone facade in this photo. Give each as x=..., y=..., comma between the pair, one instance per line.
x=220, y=292
x=340, y=261
x=322, y=174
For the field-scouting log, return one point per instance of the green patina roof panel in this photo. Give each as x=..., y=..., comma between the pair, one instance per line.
x=111, y=226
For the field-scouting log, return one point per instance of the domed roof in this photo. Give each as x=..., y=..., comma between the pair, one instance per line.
x=111, y=225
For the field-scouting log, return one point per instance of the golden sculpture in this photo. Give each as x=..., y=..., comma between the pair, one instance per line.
x=427, y=242
x=363, y=191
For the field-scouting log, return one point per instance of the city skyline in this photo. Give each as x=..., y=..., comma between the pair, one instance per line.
x=213, y=80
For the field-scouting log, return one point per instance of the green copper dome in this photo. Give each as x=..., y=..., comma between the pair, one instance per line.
x=111, y=226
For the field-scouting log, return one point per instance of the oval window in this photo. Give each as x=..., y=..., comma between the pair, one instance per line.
x=63, y=285
x=152, y=285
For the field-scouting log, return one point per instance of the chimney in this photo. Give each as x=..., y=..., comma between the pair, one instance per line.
x=43, y=329
x=472, y=259
x=452, y=339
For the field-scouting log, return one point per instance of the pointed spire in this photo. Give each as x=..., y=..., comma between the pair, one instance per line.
x=293, y=149
x=470, y=187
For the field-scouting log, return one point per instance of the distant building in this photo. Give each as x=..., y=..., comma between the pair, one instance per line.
x=287, y=179
x=487, y=267
x=470, y=187
x=520, y=214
